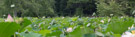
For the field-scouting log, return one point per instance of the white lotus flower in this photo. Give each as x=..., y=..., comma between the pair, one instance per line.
x=102, y=21
x=93, y=14
x=109, y=20
x=121, y=17
x=88, y=24
x=63, y=17
x=12, y=5
x=111, y=14
x=43, y=17
x=128, y=34
x=69, y=29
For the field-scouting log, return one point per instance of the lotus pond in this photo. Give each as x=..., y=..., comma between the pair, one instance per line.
x=68, y=27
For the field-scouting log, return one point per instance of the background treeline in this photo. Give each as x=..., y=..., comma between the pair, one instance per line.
x=39, y=8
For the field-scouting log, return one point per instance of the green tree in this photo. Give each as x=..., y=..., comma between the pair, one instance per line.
x=111, y=7
x=32, y=8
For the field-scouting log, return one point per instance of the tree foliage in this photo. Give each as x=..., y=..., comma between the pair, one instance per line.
x=105, y=9
x=39, y=8
x=33, y=8
x=116, y=7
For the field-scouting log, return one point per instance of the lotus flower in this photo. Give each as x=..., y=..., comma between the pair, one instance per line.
x=121, y=17
x=12, y=5
x=102, y=21
x=111, y=14
x=9, y=18
x=69, y=30
x=88, y=24
x=128, y=34
x=19, y=20
x=63, y=17
x=109, y=20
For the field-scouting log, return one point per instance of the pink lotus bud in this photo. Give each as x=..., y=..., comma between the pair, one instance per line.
x=9, y=18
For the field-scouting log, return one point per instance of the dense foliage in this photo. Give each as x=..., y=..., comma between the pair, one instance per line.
x=65, y=18
x=67, y=27
x=111, y=7
x=38, y=8
x=116, y=7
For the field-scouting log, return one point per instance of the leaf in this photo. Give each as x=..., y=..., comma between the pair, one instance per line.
x=29, y=28
x=118, y=26
x=76, y=33
x=25, y=23
x=116, y=35
x=55, y=33
x=74, y=19
x=44, y=32
x=99, y=34
x=62, y=35
x=7, y=29
x=89, y=35
x=30, y=34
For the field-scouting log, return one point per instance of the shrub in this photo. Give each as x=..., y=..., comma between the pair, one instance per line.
x=111, y=7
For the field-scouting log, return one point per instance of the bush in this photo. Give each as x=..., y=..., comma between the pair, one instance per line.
x=111, y=7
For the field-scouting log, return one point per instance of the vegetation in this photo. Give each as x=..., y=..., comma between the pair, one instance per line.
x=67, y=27
x=39, y=8
x=67, y=18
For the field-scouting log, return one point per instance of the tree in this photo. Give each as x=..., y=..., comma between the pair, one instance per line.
x=111, y=7
x=88, y=7
x=29, y=8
